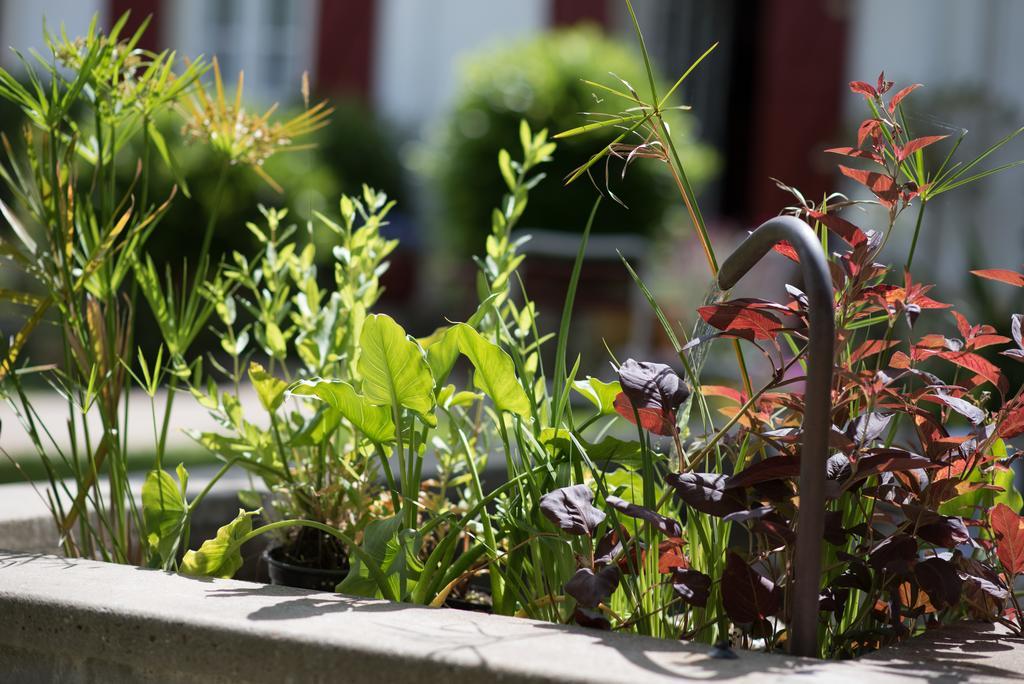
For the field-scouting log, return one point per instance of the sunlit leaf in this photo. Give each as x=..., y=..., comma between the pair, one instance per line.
x=222, y=555
x=374, y=422
x=393, y=369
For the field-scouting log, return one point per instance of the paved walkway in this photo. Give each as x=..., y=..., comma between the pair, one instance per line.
x=186, y=414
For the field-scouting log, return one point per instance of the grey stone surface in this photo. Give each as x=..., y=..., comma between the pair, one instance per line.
x=85, y=621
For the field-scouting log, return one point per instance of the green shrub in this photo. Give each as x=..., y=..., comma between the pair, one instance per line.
x=540, y=79
x=352, y=147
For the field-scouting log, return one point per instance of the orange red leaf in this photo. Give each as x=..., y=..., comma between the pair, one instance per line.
x=1008, y=528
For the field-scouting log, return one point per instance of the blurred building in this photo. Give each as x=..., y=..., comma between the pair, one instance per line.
x=402, y=56
x=771, y=99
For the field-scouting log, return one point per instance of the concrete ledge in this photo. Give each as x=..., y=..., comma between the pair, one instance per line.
x=85, y=621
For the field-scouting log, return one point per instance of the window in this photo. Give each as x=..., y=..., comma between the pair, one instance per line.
x=272, y=41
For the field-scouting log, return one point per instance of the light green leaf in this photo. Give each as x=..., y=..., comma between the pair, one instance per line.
x=269, y=389
x=601, y=394
x=609, y=451
x=379, y=542
x=978, y=498
x=443, y=348
x=505, y=165
x=393, y=368
x=222, y=555
x=494, y=373
x=163, y=511
x=373, y=421
x=275, y=340
x=442, y=353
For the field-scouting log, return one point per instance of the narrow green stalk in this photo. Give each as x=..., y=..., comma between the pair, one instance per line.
x=917, y=232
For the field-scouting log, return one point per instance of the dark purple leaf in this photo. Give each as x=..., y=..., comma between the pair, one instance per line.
x=595, y=619
x=855, y=576
x=961, y=406
x=752, y=514
x=983, y=589
x=590, y=588
x=868, y=427
x=706, y=492
x=570, y=508
x=833, y=600
x=668, y=526
x=608, y=548
x=691, y=586
x=774, y=468
x=775, y=527
x=894, y=555
x=838, y=468
x=652, y=385
x=940, y=580
x=1015, y=330
x=774, y=490
x=747, y=595
x=947, y=531
x=835, y=533
x=890, y=460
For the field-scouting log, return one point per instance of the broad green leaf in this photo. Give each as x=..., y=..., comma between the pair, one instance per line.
x=442, y=353
x=269, y=389
x=494, y=373
x=1004, y=478
x=449, y=397
x=978, y=498
x=372, y=421
x=378, y=536
x=393, y=368
x=609, y=451
x=222, y=555
x=601, y=394
x=443, y=348
x=163, y=510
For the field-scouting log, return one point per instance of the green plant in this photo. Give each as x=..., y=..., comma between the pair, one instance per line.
x=80, y=236
x=544, y=81
x=273, y=308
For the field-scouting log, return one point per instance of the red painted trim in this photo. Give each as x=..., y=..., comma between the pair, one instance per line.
x=568, y=12
x=800, y=74
x=345, y=46
x=140, y=9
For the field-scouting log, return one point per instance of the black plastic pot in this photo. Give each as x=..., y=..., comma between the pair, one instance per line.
x=476, y=600
x=288, y=574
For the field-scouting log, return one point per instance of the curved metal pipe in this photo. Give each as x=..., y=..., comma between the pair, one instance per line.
x=803, y=626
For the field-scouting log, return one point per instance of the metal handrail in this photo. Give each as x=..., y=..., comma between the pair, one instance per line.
x=804, y=597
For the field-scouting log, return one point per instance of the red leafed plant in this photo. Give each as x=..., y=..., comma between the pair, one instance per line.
x=920, y=423
x=921, y=525
x=919, y=452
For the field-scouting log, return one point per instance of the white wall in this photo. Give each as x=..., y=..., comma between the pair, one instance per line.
x=272, y=55
x=969, y=56
x=21, y=23
x=419, y=44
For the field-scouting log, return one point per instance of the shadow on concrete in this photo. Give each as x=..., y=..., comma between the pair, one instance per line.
x=297, y=604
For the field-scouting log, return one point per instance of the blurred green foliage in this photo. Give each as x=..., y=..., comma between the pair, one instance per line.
x=355, y=147
x=540, y=79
